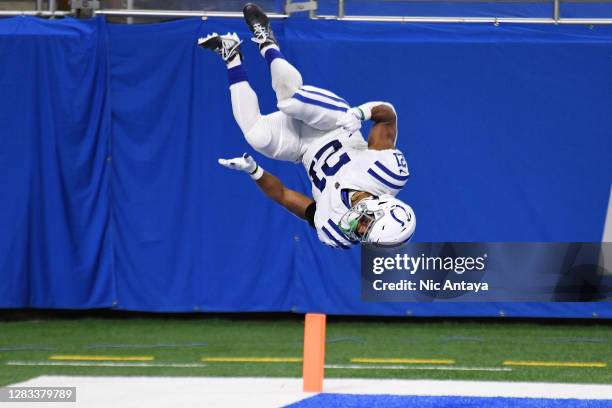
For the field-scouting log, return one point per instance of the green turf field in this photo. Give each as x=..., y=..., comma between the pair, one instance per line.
x=173, y=340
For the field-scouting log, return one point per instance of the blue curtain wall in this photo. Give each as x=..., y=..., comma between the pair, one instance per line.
x=112, y=196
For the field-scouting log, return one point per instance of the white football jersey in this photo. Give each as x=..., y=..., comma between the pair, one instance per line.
x=339, y=163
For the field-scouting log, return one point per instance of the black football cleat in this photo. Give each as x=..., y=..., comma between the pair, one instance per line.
x=259, y=23
x=227, y=46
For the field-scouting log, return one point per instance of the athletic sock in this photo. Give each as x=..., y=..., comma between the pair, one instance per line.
x=271, y=52
x=235, y=71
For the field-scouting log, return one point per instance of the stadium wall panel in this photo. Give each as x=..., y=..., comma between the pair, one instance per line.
x=110, y=134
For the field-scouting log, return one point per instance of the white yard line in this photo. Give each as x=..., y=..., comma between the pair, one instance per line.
x=406, y=367
x=196, y=365
x=158, y=392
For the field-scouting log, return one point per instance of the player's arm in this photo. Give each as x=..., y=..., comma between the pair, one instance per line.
x=384, y=132
x=297, y=203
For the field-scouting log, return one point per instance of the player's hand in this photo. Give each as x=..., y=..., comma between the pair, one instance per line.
x=350, y=121
x=245, y=163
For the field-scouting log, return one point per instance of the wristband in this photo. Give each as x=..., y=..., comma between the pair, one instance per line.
x=366, y=109
x=362, y=115
x=257, y=173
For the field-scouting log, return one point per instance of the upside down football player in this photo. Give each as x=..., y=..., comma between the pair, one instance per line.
x=353, y=182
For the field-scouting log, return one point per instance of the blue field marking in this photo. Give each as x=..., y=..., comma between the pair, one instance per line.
x=397, y=401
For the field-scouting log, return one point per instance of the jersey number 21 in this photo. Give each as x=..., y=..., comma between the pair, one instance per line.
x=322, y=163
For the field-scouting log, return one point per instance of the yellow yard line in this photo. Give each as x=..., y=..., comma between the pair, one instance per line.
x=402, y=360
x=76, y=357
x=252, y=359
x=553, y=364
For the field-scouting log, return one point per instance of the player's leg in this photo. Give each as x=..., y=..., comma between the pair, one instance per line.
x=286, y=79
x=316, y=107
x=271, y=135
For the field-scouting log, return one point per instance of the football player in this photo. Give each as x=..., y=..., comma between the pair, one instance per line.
x=354, y=182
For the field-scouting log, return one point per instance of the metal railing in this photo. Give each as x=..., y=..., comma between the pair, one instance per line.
x=177, y=13
x=554, y=19
x=341, y=15
x=491, y=20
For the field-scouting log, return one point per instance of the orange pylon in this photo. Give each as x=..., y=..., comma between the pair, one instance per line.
x=314, y=352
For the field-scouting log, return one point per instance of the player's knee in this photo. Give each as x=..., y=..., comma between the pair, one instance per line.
x=259, y=136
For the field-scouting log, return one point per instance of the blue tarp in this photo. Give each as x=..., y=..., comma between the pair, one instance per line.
x=112, y=197
x=54, y=138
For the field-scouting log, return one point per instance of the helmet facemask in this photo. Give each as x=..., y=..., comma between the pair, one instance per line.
x=357, y=223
